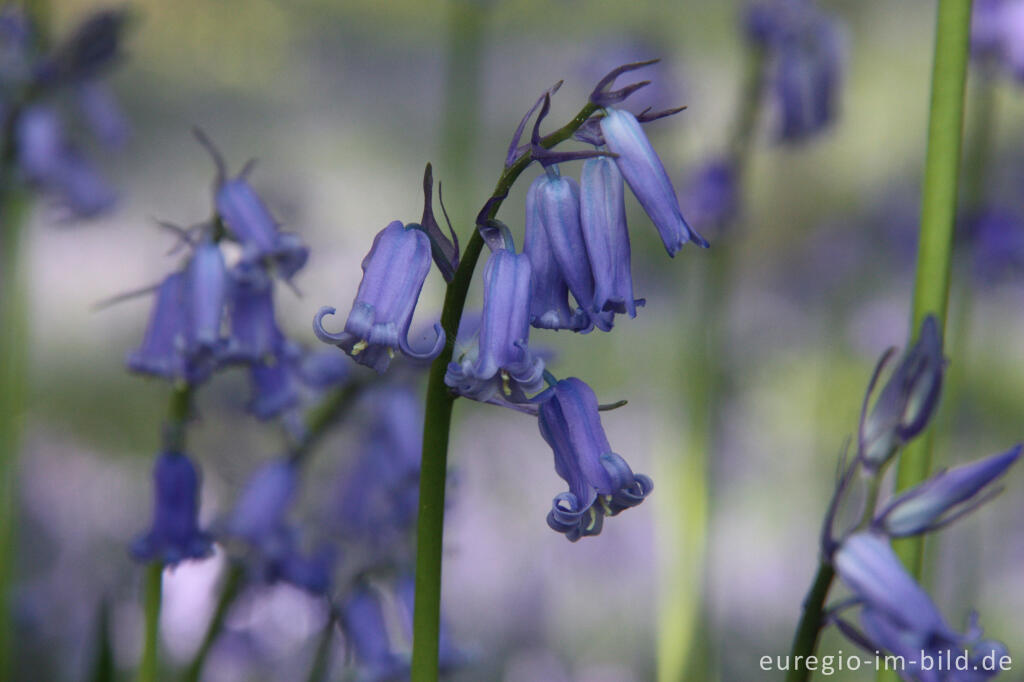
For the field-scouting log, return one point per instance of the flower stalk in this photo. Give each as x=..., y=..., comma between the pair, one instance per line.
x=437, y=424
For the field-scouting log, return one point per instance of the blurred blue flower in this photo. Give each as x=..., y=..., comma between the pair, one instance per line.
x=259, y=519
x=996, y=235
x=393, y=275
x=501, y=361
x=896, y=614
x=944, y=497
x=378, y=497
x=206, y=290
x=366, y=633
x=251, y=223
x=174, y=534
x=907, y=401
x=711, y=195
x=646, y=176
x=804, y=53
x=549, y=303
x=997, y=33
x=255, y=335
x=603, y=218
x=600, y=481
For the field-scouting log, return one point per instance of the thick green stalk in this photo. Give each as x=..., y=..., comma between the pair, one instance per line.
x=437, y=424
x=805, y=642
x=153, y=594
x=230, y=590
x=938, y=213
x=13, y=389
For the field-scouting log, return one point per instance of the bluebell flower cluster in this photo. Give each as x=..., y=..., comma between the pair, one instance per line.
x=35, y=79
x=997, y=34
x=576, y=244
x=803, y=48
x=895, y=615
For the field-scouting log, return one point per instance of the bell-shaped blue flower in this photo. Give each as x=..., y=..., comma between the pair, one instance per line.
x=174, y=534
x=367, y=634
x=944, y=497
x=255, y=335
x=603, y=217
x=711, y=196
x=274, y=380
x=600, y=481
x=378, y=496
x=163, y=351
x=896, y=614
x=206, y=290
x=501, y=360
x=549, y=303
x=646, y=176
x=558, y=207
x=393, y=275
x=907, y=401
x=249, y=220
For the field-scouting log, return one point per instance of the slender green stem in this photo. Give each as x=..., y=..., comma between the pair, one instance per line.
x=229, y=592
x=437, y=424
x=153, y=593
x=938, y=212
x=322, y=659
x=326, y=414
x=13, y=389
x=805, y=642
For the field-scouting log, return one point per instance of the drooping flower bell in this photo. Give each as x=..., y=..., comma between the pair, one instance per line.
x=549, y=302
x=206, y=291
x=255, y=335
x=711, y=196
x=944, y=497
x=646, y=176
x=804, y=52
x=393, y=275
x=368, y=636
x=997, y=34
x=908, y=400
x=897, y=615
x=603, y=218
x=600, y=481
x=501, y=361
x=174, y=534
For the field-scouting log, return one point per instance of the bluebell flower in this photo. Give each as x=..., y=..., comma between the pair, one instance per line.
x=996, y=234
x=896, y=614
x=163, y=351
x=907, y=401
x=393, y=275
x=248, y=219
x=367, y=635
x=102, y=113
x=549, y=304
x=206, y=291
x=603, y=218
x=804, y=51
x=712, y=194
x=255, y=335
x=378, y=497
x=944, y=497
x=646, y=176
x=90, y=49
x=558, y=210
x=501, y=361
x=274, y=380
x=600, y=481
x=259, y=519
x=174, y=534
x=997, y=33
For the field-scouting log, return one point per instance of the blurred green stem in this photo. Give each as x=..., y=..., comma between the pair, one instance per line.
x=685, y=652
x=153, y=593
x=13, y=389
x=938, y=213
x=229, y=592
x=322, y=658
x=462, y=92
x=437, y=424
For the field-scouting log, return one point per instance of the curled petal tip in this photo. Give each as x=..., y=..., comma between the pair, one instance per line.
x=323, y=334
x=435, y=350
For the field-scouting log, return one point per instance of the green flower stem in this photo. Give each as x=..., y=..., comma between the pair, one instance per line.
x=13, y=392
x=938, y=212
x=805, y=642
x=437, y=424
x=229, y=592
x=178, y=412
x=153, y=594
x=685, y=651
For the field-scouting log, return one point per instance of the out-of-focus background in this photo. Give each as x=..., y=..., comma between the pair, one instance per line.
x=343, y=103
